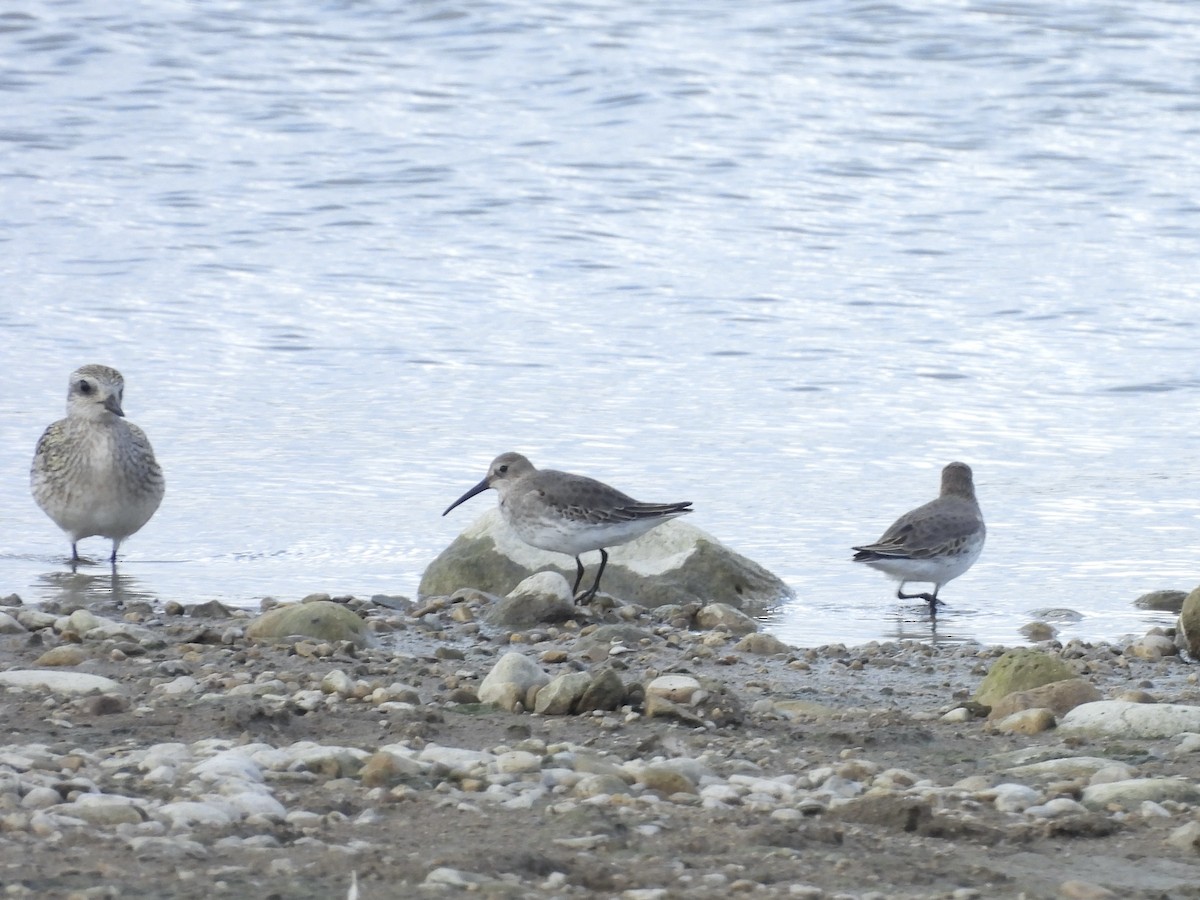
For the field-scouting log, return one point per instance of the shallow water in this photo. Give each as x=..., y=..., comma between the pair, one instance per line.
x=784, y=260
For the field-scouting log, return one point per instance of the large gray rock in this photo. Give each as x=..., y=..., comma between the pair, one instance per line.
x=1121, y=718
x=674, y=563
x=1162, y=601
x=1189, y=624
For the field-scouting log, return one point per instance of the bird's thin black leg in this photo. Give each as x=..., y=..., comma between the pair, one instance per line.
x=931, y=598
x=74, y=552
x=591, y=592
x=578, y=575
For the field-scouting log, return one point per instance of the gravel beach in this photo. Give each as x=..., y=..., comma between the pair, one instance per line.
x=158, y=751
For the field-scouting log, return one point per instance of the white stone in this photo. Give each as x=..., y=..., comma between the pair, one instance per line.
x=692, y=769
x=958, y=715
x=110, y=630
x=81, y=621
x=59, y=681
x=46, y=825
x=517, y=762
x=337, y=682
x=457, y=760
x=227, y=764
x=161, y=775
x=777, y=788
x=676, y=688
x=1135, y=790
x=1121, y=718
x=303, y=819
x=1052, y=809
x=273, y=759
x=1189, y=742
x=1067, y=767
x=1186, y=837
x=1114, y=771
x=173, y=754
x=721, y=793
x=1014, y=797
x=35, y=619
x=104, y=809
x=510, y=679
x=543, y=584
x=786, y=814
x=9, y=625
x=191, y=813
x=722, y=615
x=184, y=684
x=171, y=847
x=838, y=787
x=446, y=877
x=41, y=798
x=1152, y=646
x=313, y=756
x=256, y=803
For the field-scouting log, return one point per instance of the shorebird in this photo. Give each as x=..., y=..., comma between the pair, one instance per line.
x=94, y=473
x=934, y=543
x=567, y=513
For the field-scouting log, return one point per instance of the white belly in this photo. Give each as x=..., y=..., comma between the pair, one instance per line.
x=933, y=571
x=574, y=538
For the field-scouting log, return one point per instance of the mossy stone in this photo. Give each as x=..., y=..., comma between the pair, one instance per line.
x=322, y=620
x=1021, y=670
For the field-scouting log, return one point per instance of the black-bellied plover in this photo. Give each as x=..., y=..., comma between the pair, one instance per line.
x=934, y=543
x=567, y=513
x=94, y=473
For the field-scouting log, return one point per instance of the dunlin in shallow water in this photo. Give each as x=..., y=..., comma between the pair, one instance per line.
x=934, y=543
x=93, y=472
x=567, y=513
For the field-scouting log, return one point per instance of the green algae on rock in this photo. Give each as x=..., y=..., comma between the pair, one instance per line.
x=323, y=620
x=1021, y=669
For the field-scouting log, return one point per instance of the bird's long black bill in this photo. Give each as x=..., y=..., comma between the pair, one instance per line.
x=478, y=489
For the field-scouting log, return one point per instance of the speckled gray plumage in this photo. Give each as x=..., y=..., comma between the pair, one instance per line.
x=567, y=513
x=934, y=543
x=94, y=473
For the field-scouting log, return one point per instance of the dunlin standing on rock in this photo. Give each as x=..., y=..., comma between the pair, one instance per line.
x=934, y=543
x=567, y=513
x=94, y=473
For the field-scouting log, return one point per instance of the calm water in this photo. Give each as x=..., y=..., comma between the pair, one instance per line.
x=782, y=259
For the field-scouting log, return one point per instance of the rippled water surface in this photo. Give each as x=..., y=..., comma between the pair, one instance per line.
x=782, y=259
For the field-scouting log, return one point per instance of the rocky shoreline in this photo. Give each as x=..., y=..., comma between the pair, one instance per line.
x=186, y=751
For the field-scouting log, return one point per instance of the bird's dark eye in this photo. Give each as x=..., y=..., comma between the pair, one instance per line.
x=503, y=470
x=85, y=387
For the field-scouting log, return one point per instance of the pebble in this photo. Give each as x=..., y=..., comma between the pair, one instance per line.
x=1014, y=797
x=65, y=655
x=1186, y=837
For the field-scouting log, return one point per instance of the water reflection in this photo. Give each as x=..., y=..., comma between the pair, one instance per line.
x=77, y=588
